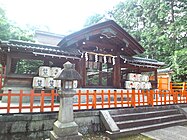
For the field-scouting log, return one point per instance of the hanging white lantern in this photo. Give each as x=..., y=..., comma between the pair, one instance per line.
x=96, y=58
x=86, y=56
x=105, y=60
x=113, y=61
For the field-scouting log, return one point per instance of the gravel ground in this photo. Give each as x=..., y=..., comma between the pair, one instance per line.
x=99, y=136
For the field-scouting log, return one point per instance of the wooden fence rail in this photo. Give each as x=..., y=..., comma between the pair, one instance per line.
x=86, y=99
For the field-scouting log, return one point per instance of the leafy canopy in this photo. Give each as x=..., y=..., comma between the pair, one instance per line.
x=160, y=26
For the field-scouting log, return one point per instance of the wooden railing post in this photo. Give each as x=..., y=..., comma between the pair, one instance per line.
x=87, y=99
x=171, y=85
x=115, y=98
x=79, y=99
x=184, y=88
x=42, y=101
x=122, y=98
x=102, y=100
x=151, y=97
x=94, y=100
x=52, y=99
x=20, y=100
x=133, y=96
x=9, y=101
x=31, y=100
x=109, y=98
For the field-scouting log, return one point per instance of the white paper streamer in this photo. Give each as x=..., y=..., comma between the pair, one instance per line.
x=96, y=58
x=86, y=56
x=113, y=61
x=105, y=61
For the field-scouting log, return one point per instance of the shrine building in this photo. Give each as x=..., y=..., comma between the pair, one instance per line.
x=104, y=54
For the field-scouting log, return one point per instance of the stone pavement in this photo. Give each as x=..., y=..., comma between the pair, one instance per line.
x=170, y=133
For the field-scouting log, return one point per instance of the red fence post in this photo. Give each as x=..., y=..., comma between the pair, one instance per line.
x=79, y=99
x=87, y=99
x=94, y=100
x=31, y=100
x=133, y=99
x=121, y=98
x=9, y=101
x=115, y=98
x=42, y=101
x=52, y=99
x=102, y=96
x=20, y=100
x=109, y=98
x=151, y=97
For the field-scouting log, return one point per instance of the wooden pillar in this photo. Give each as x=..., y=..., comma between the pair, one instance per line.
x=156, y=79
x=82, y=71
x=100, y=74
x=8, y=64
x=117, y=73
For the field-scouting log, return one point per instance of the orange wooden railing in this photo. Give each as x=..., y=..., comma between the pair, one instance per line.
x=84, y=100
x=179, y=87
x=2, y=76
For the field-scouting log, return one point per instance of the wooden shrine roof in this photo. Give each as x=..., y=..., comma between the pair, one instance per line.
x=108, y=35
x=22, y=46
x=139, y=61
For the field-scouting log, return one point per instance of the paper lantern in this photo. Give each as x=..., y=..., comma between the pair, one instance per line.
x=44, y=71
x=38, y=82
x=145, y=78
x=55, y=71
x=143, y=85
x=58, y=84
x=139, y=77
x=129, y=84
x=49, y=83
x=137, y=85
x=132, y=77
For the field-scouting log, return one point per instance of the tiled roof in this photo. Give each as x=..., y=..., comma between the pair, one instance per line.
x=13, y=44
x=140, y=60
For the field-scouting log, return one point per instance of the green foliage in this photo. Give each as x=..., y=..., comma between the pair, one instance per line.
x=179, y=65
x=28, y=66
x=159, y=25
x=10, y=31
x=93, y=19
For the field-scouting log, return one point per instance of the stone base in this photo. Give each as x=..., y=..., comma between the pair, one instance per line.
x=53, y=136
x=65, y=131
x=15, y=99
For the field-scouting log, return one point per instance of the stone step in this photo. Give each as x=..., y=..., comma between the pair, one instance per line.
x=149, y=121
x=140, y=129
x=134, y=116
x=140, y=109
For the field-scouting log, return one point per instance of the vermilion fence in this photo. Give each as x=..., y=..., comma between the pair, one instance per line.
x=2, y=76
x=179, y=86
x=86, y=99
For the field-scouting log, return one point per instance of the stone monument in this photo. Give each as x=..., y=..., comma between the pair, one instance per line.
x=65, y=128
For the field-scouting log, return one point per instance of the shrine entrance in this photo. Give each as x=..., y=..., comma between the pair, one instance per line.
x=99, y=74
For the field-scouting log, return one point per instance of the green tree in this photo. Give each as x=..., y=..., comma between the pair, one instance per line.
x=11, y=31
x=159, y=25
x=93, y=19
x=179, y=61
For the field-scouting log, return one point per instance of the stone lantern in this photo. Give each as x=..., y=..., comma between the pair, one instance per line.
x=65, y=127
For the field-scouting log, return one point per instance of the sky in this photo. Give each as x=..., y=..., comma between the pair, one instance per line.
x=61, y=16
